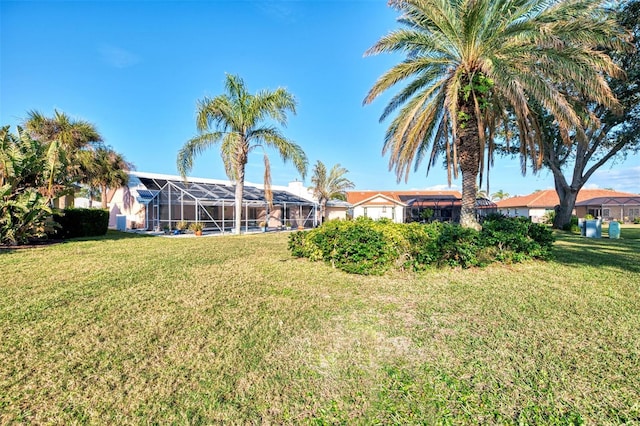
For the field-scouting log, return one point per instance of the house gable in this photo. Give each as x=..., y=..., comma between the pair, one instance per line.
x=379, y=200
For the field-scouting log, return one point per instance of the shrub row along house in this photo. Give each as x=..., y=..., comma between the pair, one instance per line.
x=604, y=203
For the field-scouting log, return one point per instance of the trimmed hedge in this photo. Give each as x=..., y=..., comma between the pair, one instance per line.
x=76, y=223
x=365, y=246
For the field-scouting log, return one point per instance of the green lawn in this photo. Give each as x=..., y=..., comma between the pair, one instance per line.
x=129, y=330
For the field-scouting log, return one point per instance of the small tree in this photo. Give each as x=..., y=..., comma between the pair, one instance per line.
x=331, y=186
x=105, y=168
x=499, y=195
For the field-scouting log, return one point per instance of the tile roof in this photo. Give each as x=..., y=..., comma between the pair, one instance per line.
x=610, y=201
x=548, y=198
x=355, y=197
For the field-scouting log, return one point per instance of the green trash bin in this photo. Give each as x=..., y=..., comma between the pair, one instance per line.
x=614, y=230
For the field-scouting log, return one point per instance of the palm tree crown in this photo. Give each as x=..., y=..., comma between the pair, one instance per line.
x=331, y=186
x=65, y=139
x=236, y=120
x=106, y=168
x=474, y=65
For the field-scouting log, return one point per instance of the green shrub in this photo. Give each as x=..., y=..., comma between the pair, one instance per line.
x=76, y=223
x=549, y=217
x=458, y=246
x=422, y=241
x=572, y=226
x=637, y=220
x=365, y=246
x=24, y=216
x=359, y=246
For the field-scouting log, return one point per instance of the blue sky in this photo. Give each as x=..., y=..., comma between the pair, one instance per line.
x=137, y=68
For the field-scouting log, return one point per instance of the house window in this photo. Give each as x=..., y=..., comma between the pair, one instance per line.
x=384, y=209
x=605, y=213
x=634, y=212
x=364, y=211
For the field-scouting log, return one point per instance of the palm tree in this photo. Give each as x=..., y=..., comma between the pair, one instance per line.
x=64, y=139
x=329, y=187
x=105, y=168
x=499, y=195
x=474, y=65
x=236, y=120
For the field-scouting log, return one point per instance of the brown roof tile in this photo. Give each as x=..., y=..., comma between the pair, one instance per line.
x=355, y=197
x=548, y=198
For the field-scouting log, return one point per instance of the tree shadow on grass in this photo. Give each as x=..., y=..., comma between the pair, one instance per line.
x=580, y=251
x=111, y=235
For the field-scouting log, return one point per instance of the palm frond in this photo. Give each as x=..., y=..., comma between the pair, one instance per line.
x=194, y=147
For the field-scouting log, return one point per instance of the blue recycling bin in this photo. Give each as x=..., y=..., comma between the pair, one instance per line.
x=614, y=230
x=593, y=228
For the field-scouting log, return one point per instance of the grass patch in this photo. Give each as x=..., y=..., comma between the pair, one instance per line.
x=233, y=329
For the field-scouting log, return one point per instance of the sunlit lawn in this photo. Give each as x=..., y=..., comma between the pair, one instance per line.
x=234, y=330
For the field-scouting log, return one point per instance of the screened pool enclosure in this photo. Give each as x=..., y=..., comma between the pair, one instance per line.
x=169, y=200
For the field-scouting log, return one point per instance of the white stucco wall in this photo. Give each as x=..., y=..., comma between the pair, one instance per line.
x=514, y=211
x=336, y=213
x=395, y=213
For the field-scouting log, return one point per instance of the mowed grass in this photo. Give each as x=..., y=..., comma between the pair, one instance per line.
x=131, y=330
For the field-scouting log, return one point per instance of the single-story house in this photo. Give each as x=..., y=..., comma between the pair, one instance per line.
x=539, y=203
x=409, y=206
x=623, y=209
x=154, y=201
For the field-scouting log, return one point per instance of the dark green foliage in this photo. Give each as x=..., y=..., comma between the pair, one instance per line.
x=24, y=210
x=458, y=246
x=572, y=226
x=75, y=223
x=365, y=246
x=515, y=239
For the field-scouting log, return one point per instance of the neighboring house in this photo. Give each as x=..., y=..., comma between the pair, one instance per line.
x=154, y=201
x=620, y=208
x=336, y=209
x=536, y=205
x=405, y=206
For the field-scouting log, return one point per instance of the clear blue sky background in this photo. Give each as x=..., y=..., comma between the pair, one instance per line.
x=137, y=68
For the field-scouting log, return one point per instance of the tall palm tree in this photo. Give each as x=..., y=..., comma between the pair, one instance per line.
x=237, y=120
x=332, y=186
x=474, y=65
x=64, y=139
x=106, y=168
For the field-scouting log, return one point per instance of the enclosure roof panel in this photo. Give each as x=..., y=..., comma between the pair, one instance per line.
x=212, y=190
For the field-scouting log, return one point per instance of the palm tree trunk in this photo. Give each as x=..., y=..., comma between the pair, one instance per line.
x=323, y=209
x=469, y=150
x=239, y=196
x=104, y=196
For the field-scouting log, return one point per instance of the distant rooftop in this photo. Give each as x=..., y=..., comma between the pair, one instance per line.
x=548, y=198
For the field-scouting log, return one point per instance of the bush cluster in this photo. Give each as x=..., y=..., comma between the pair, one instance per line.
x=372, y=247
x=75, y=223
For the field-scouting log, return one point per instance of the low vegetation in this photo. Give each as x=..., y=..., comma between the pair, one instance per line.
x=126, y=329
x=365, y=246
